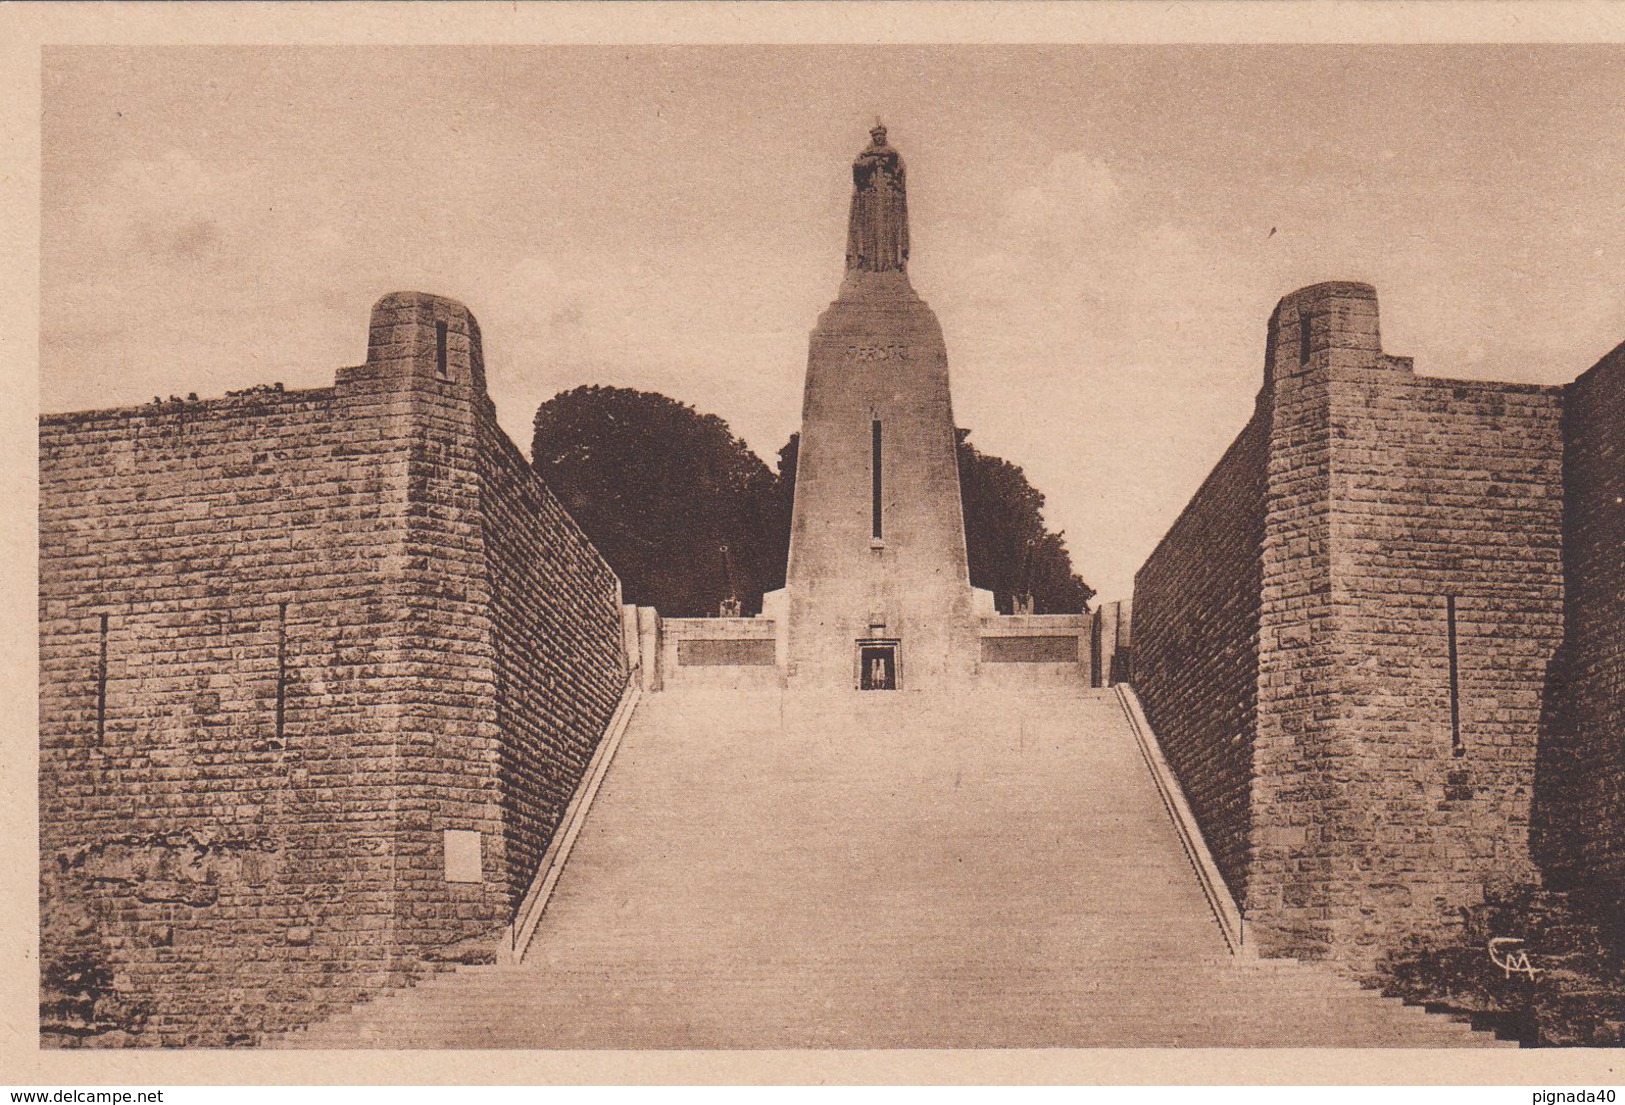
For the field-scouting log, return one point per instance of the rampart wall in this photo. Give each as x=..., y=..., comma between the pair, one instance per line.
x=560, y=666
x=289, y=689
x=1408, y=535
x=1583, y=784
x=1196, y=663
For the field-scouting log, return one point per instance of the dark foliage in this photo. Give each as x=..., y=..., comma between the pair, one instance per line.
x=660, y=488
x=1577, y=996
x=1010, y=548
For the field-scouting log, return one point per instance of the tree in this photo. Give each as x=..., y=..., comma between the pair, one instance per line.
x=661, y=489
x=1006, y=540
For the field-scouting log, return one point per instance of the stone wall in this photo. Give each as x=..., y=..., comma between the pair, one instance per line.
x=1399, y=785
x=721, y=653
x=1409, y=538
x=1111, y=652
x=1035, y=651
x=283, y=654
x=1196, y=660
x=1447, y=579
x=1584, y=821
x=557, y=627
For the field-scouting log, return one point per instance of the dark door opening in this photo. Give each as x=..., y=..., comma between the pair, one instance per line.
x=877, y=667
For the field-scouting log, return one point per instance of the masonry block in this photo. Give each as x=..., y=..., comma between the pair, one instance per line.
x=1195, y=664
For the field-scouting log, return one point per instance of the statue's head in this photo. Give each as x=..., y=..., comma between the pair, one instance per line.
x=878, y=133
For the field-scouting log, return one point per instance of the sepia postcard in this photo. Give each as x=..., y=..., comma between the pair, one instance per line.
x=858, y=543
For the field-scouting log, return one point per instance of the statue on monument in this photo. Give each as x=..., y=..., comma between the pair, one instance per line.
x=877, y=231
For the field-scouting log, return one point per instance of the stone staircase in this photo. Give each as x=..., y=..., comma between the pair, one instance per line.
x=784, y=870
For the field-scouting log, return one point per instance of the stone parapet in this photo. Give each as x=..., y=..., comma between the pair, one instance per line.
x=731, y=653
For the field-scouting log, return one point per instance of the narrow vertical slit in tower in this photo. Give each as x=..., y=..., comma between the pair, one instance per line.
x=281, y=666
x=874, y=481
x=440, y=348
x=101, y=686
x=1303, y=339
x=1456, y=747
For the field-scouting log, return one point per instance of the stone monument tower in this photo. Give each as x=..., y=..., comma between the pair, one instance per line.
x=878, y=591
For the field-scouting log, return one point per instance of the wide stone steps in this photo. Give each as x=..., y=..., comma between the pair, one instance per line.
x=592, y=1011
x=771, y=870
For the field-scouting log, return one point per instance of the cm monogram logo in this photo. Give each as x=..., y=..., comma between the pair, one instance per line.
x=1513, y=959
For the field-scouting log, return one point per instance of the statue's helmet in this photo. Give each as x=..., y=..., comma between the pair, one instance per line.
x=878, y=133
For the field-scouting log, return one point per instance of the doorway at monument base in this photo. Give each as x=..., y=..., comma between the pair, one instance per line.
x=927, y=657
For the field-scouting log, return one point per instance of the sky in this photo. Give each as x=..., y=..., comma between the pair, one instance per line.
x=1101, y=230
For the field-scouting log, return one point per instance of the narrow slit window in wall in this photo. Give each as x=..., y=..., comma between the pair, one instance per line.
x=874, y=482
x=440, y=348
x=1456, y=747
x=281, y=666
x=1303, y=339
x=101, y=686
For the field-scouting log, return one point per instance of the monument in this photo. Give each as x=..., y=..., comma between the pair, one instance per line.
x=877, y=591
x=329, y=682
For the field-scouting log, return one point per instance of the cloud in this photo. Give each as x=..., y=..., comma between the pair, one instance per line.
x=195, y=239
x=180, y=215
x=1080, y=249
x=1073, y=192
x=1091, y=341
x=174, y=259
x=147, y=200
x=555, y=321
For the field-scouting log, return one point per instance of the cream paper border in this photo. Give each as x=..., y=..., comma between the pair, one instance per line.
x=25, y=28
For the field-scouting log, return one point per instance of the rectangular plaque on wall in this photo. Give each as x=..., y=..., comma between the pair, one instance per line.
x=463, y=856
x=1059, y=649
x=726, y=653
